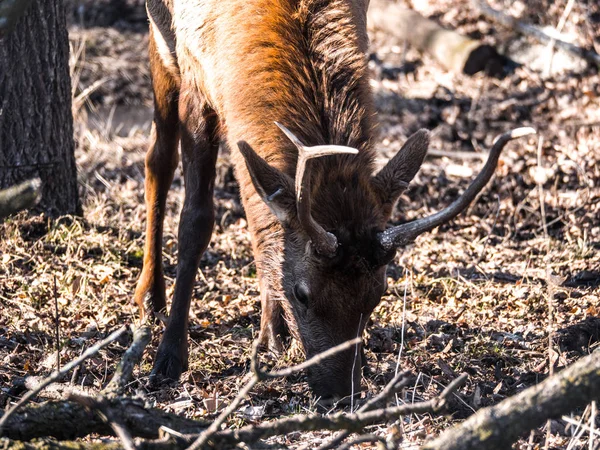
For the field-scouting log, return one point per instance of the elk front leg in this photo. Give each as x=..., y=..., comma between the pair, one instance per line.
x=273, y=328
x=199, y=147
x=161, y=162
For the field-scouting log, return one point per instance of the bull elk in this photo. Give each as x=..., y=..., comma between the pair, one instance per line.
x=284, y=84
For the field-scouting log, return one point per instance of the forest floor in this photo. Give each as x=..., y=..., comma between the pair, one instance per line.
x=479, y=295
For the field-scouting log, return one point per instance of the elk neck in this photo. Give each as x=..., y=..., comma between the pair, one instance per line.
x=301, y=63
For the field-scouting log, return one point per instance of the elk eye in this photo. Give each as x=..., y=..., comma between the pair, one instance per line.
x=301, y=293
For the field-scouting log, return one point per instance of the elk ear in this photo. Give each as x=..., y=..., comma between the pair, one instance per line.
x=393, y=179
x=274, y=187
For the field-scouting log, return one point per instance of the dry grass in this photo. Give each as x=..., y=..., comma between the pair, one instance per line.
x=477, y=292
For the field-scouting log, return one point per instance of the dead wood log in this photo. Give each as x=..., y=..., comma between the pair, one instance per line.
x=497, y=427
x=452, y=50
x=530, y=30
x=21, y=196
x=353, y=423
x=65, y=420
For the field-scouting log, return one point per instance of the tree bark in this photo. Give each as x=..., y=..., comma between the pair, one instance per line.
x=36, y=123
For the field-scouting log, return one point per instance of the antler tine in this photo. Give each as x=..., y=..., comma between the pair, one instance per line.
x=406, y=233
x=325, y=242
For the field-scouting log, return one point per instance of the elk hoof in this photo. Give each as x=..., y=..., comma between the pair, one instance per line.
x=169, y=364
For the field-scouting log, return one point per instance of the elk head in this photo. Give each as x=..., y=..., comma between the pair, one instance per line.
x=336, y=250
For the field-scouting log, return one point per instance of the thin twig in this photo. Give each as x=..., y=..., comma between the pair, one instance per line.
x=59, y=373
x=408, y=276
x=312, y=361
x=498, y=427
x=57, y=325
x=592, y=425
x=561, y=24
x=214, y=427
x=579, y=430
x=550, y=294
x=354, y=364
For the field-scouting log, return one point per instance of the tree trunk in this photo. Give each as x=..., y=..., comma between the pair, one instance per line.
x=36, y=124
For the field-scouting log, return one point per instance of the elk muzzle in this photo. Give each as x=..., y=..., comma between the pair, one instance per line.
x=337, y=378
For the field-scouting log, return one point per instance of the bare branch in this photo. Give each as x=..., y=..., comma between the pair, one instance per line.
x=59, y=373
x=340, y=421
x=456, y=53
x=65, y=420
x=312, y=361
x=362, y=440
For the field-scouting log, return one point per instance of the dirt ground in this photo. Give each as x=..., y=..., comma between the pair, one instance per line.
x=479, y=295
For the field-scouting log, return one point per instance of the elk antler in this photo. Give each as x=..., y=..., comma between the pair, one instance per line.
x=325, y=243
x=407, y=232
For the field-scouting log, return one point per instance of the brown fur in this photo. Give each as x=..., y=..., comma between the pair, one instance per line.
x=231, y=68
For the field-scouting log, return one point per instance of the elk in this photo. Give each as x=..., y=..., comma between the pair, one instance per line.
x=284, y=84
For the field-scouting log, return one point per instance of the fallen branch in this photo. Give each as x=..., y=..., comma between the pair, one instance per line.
x=54, y=391
x=452, y=50
x=535, y=32
x=60, y=373
x=497, y=427
x=22, y=196
x=340, y=421
x=66, y=420
x=131, y=357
